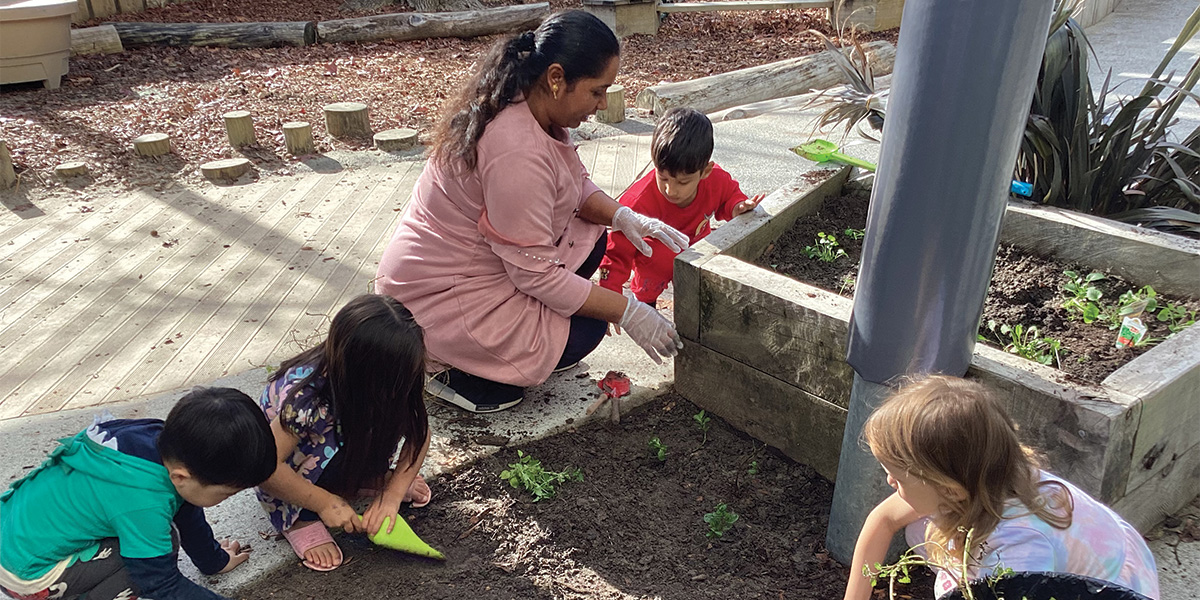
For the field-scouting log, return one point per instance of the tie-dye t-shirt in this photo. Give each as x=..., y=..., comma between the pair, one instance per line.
x=1098, y=544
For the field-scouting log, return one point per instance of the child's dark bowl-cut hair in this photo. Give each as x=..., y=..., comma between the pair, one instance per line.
x=683, y=142
x=221, y=436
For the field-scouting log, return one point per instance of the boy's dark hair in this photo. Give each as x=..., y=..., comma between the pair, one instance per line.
x=221, y=437
x=682, y=142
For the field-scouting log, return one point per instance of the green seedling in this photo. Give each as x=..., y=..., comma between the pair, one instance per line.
x=703, y=421
x=528, y=474
x=826, y=248
x=1176, y=316
x=754, y=468
x=1131, y=303
x=719, y=521
x=1027, y=343
x=847, y=283
x=855, y=234
x=1085, y=297
x=658, y=449
x=960, y=571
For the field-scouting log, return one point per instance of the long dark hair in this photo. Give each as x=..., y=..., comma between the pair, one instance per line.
x=578, y=41
x=373, y=365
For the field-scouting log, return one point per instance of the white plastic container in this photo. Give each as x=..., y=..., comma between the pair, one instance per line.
x=35, y=40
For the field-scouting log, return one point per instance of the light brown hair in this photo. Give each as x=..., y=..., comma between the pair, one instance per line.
x=954, y=435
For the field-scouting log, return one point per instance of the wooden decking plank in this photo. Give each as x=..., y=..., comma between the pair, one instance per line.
x=281, y=288
x=249, y=246
x=350, y=276
x=126, y=295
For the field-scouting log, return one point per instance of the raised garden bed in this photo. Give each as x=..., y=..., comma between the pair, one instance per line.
x=767, y=353
x=633, y=528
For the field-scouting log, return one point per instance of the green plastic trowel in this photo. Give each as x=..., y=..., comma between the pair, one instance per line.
x=404, y=539
x=826, y=151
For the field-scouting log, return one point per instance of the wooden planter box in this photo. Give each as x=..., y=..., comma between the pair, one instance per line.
x=767, y=353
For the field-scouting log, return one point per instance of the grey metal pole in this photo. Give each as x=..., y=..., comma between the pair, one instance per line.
x=964, y=78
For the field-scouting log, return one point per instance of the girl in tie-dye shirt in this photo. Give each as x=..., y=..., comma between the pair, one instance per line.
x=953, y=457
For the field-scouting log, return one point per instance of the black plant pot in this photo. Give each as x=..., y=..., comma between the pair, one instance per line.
x=1048, y=586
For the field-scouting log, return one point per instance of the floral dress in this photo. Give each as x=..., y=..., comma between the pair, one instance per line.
x=308, y=419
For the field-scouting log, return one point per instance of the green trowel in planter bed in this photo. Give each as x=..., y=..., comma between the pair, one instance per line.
x=822, y=151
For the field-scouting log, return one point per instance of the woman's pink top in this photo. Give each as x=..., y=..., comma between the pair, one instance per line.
x=486, y=260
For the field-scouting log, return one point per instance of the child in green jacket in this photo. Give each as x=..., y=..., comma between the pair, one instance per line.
x=105, y=514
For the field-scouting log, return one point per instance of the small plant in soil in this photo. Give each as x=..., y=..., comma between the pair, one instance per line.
x=719, y=521
x=754, y=468
x=855, y=234
x=1130, y=303
x=826, y=249
x=1025, y=342
x=658, y=449
x=528, y=474
x=1177, y=317
x=898, y=572
x=847, y=283
x=1085, y=297
x=703, y=421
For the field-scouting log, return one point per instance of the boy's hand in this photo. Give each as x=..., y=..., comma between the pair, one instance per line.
x=238, y=554
x=747, y=205
x=614, y=329
x=339, y=514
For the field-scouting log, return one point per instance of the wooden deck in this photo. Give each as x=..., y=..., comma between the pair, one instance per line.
x=152, y=292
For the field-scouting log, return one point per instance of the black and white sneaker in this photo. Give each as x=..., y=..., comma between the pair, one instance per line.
x=471, y=393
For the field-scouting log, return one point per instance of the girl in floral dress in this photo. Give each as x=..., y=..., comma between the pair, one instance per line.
x=349, y=421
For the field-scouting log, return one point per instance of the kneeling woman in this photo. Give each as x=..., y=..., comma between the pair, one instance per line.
x=504, y=228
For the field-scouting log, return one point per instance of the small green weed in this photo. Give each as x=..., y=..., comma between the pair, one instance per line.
x=826, y=248
x=855, y=234
x=1026, y=342
x=528, y=474
x=703, y=421
x=754, y=468
x=658, y=449
x=719, y=521
x=1085, y=297
x=1176, y=316
x=847, y=283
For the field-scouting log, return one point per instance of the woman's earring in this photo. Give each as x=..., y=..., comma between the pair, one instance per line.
x=554, y=88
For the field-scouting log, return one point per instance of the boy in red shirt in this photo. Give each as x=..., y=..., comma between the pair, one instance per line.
x=685, y=190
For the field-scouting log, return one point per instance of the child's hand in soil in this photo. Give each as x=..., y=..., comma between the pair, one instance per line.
x=339, y=515
x=238, y=554
x=383, y=506
x=747, y=205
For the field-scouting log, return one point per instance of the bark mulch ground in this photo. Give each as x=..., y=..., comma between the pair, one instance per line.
x=106, y=101
x=1025, y=289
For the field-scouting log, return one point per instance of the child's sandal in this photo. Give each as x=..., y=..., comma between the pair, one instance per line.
x=308, y=537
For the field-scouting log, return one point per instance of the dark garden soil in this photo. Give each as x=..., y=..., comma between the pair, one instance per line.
x=1025, y=290
x=633, y=528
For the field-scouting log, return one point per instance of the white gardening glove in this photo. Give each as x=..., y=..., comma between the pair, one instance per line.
x=650, y=330
x=637, y=226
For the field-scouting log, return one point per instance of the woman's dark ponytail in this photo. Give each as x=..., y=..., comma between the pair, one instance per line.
x=577, y=40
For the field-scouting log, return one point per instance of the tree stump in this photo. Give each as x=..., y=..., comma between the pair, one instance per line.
x=347, y=119
x=8, y=177
x=152, y=144
x=615, y=112
x=240, y=128
x=396, y=139
x=71, y=169
x=95, y=40
x=226, y=170
x=297, y=135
